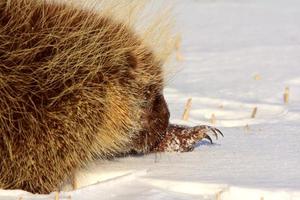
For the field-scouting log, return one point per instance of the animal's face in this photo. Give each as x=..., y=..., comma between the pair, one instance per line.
x=157, y=115
x=155, y=121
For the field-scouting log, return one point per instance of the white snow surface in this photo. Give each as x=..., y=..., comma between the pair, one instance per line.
x=226, y=43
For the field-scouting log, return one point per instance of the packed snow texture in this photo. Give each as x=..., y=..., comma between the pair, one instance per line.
x=237, y=55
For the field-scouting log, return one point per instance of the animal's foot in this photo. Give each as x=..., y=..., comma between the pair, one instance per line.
x=183, y=138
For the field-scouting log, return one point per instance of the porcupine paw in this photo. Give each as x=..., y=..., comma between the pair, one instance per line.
x=183, y=138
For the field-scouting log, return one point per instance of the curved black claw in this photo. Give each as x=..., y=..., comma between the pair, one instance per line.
x=209, y=138
x=216, y=132
x=205, y=129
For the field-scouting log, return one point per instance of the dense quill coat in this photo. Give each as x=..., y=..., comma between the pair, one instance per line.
x=75, y=84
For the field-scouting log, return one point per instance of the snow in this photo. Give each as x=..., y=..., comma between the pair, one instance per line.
x=226, y=43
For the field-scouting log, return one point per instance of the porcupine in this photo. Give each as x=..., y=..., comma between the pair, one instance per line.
x=76, y=84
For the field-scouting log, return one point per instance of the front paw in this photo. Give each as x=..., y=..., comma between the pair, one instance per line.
x=183, y=138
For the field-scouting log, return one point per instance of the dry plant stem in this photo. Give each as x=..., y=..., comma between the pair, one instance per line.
x=187, y=109
x=257, y=77
x=179, y=56
x=213, y=119
x=219, y=195
x=178, y=42
x=254, y=112
x=286, y=95
x=56, y=195
x=180, y=138
x=247, y=127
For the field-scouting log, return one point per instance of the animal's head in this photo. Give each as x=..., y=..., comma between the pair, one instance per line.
x=155, y=120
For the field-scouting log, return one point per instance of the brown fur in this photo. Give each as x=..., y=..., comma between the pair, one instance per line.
x=74, y=84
